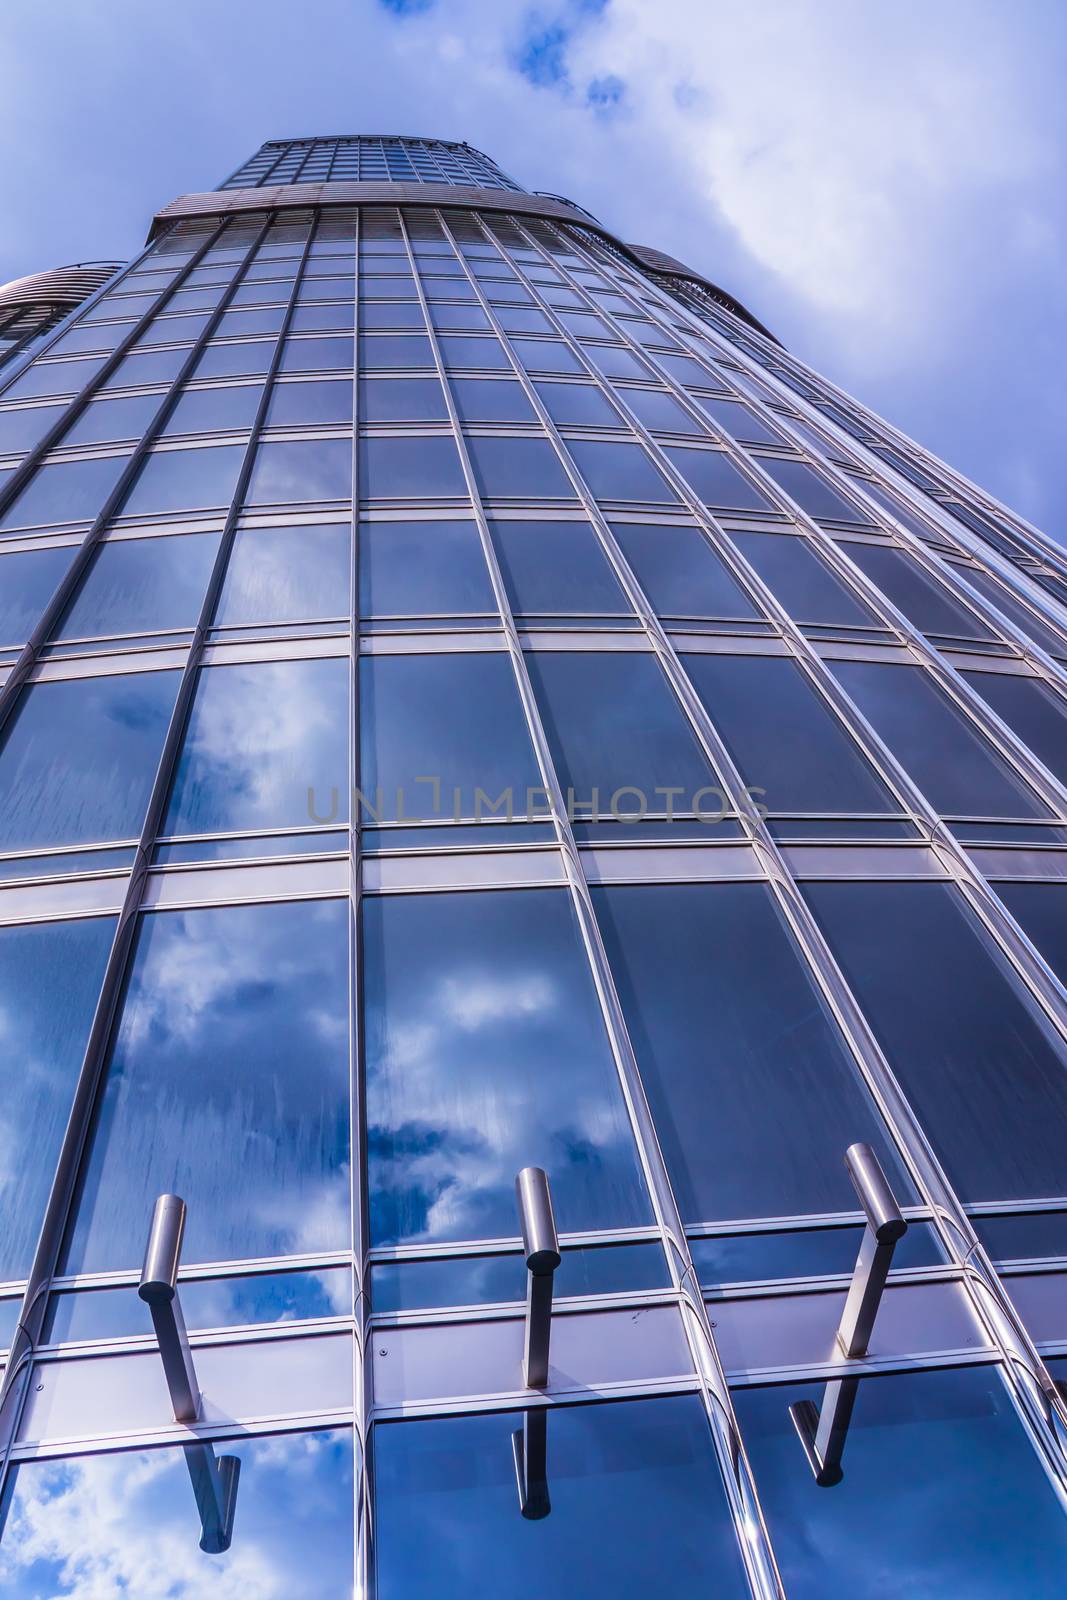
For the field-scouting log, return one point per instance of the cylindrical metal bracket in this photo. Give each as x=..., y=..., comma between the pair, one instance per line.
x=159, y=1275
x=875, y=1195
x=537, y=1221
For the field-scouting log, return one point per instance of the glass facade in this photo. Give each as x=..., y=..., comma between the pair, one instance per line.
x=471, y=700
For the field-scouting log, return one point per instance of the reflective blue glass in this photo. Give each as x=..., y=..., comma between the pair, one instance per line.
x=49, y=982
x=231, y=406
x=554, y=567
x=715, y=480
x=141, y=586
x=402, y=400
x=491, y=400
x=486, y=1053
x=737, y=419
x=616, y=471
x=518, y=468
x=680, y=572
x=232, y=360
x=783, y=736
x=127, y=1523
x=660, y=411
x=497, y=1279
x=754, y=1094
x=422, y=569
x=287, y=575
x=126, y=417
x=303, y=469
x=21, y=428
x=150, y=366
x=227, y=1084
x=180, y=480
x=801, y=581
x=79, y=757
x=28, y=579
x=578, y=403
x=423, y=468
x=926, y=603
x=259, y=738
x=810, y=491
x=65, y=491
x=1041, y=911
x=316, y=355
x=942, y=1495
x=54, y=377
x=434, y=724
x=958, y=771
x=950, y=1017
x=1031, y=710
x=637, y=1507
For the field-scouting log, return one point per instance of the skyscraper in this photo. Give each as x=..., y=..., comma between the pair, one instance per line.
x=475, y=702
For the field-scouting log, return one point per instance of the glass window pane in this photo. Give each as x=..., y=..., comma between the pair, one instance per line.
x=456, y=719
x=1031, y=710
x=107, y=419
x=754, y=1094
x=401, y=400
x=316, y=355
x=203, y=1097
x=54, y=377
x=970, y=1052
x=456, y=351
x=1031, y=626
x=810, y=491
x=147, y=366
x=222, y=406
x=395, y=350
x=615, y=362
x=109, y=731
x=233, y=360
x=422, y=569
x=295, y=1496
x=485, y=1053
x=50, y=977
x=546, y=355
x=578, y=403
x=415, y=468
x=554, y=567
x=287, y=575
x=738, y=420
x=1041, y=911
x=715, y=480
x=391, y=314
x=22, y=428
x=294, y=404
x=784, y=737
x=498, y=1279
x=305, y=469
x=660, y=411
x=448, y=1520
x=142, y=586
x=680, y=572
x=179, y=480
x=65, y=491
x=943, y=753
x=28, y=579
x=801, y=581
x=491, y=400
x=518, y=468
x=926, y=603
x=942, y=1495
x=616, y=471
x=261, y=741
x=614, y=725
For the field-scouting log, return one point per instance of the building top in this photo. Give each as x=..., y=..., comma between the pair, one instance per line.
x=366, y=157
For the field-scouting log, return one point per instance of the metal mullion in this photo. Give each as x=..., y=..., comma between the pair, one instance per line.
x=1036, y=1397
x=740, y=1487
x=30, y=653
x=61, y=1201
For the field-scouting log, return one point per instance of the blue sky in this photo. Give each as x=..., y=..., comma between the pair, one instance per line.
x=882, y=183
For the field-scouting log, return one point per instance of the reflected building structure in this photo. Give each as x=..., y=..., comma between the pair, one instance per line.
x=473, y=700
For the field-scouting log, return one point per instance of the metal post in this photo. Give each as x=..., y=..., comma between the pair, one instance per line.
x=529, y=1447
x=824, y=1429
x=542, y=1258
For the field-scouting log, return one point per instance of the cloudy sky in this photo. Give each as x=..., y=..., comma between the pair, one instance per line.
x=881, y=183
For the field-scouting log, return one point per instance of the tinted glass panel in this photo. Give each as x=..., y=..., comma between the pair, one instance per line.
x=125, y=418
x=177, y=480
x=614, y=725
x=526, y=469
x=925, y=602
x=49, y=981
x=306, y=469
x=1035, y=713
x=401, y=400
x=660, y=411
x=314, y=355
x=224, y=406
x=457, y=351
x=949, y=1018
x=396, y=350
x=553, y=567
x=54, y=377
x=259, y=738
x=423, y=468
x=454, y=718
x=715, y=480
x=109, y=732
x=801, y=581
x=618, y=471
x=489, y=400
x=232, y=360
x=422, y=569
x=66, y=491
x=485, y=1053
x=945, y=755
x=21, y=429
x=811, y=492
x=496, y=1279
x=784, y=737
x=294, y=404
x=680, y=573
x=448, y=1522
x=142, y=585
x=738, y=420
x=1041, y=911
x=1014, y=611
x=28, y=580
x=942, y=1495
x=754, y=1095
x=202, y=1098
x=295, y=1496
x=287, y=575
x=578, y=403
